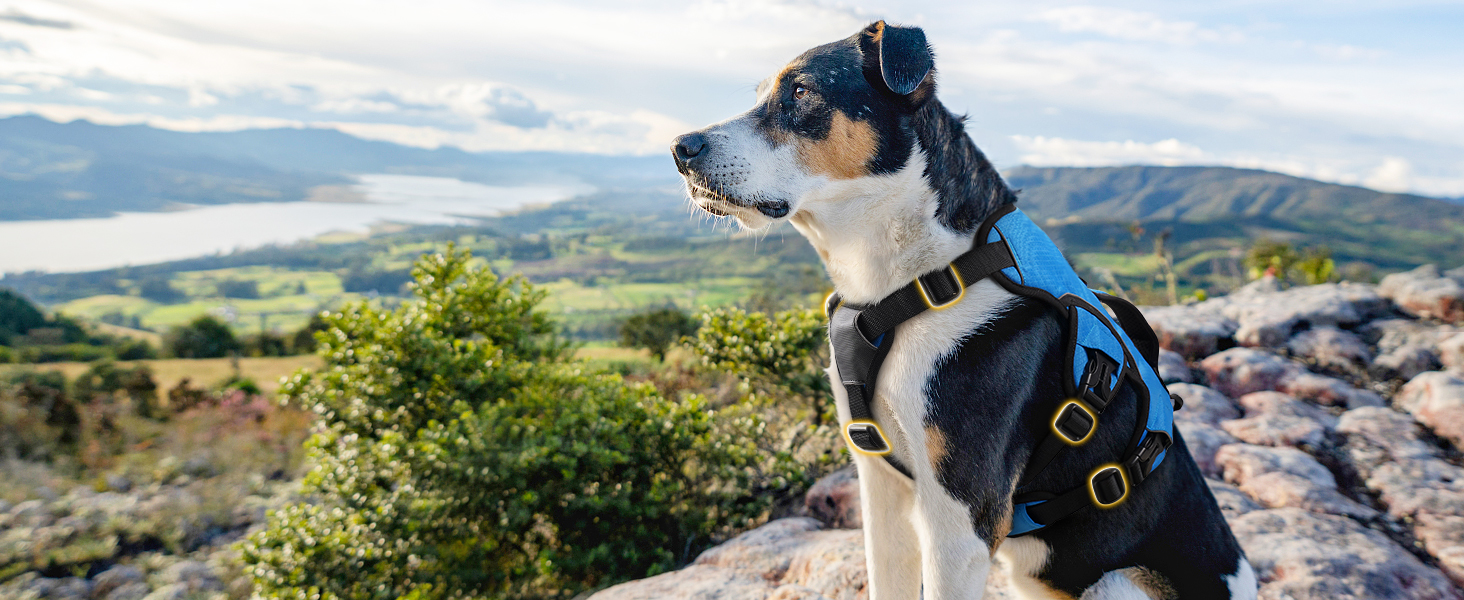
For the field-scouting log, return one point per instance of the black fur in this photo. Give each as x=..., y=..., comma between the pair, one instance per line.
x=993, y=399
x=970, y=188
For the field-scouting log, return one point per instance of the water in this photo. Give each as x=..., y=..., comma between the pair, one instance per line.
x=142, y=238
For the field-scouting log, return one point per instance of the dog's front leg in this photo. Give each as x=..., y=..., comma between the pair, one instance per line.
x=956, y=560
x=891, y=545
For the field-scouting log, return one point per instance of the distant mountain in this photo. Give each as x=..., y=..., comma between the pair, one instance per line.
x=1359, y=224
x=52, y=170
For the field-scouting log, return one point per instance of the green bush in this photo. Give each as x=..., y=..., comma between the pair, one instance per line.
x=460, y=453
x=204, y=337
x=656, y=330
x=782, y=355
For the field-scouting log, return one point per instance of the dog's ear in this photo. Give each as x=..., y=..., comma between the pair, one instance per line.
x=899, y=55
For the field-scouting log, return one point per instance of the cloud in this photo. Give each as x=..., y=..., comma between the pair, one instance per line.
x=1132, y=25
x=1045, y=151
x=16, y=16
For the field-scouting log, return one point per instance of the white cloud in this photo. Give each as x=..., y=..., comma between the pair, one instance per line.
x=1132, y=25
x=1046, y=152
x=1394, y=175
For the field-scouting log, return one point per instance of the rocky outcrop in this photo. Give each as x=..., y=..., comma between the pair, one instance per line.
x=1301, y=554
x=1426, y=293
x=834, y=500
x=1436, y=399
x=1240, y=371
x=1276, y=419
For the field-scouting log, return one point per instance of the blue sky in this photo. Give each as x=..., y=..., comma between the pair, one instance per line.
x=1367, y=93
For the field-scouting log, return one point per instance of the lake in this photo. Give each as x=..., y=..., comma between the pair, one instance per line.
x=67, y=245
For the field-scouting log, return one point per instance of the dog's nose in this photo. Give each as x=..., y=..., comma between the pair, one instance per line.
x=689, y=146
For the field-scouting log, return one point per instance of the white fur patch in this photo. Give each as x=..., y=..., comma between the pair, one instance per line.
x=1115, y=585
x=1242, y=584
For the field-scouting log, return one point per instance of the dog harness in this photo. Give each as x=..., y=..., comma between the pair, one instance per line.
x=1101, y=357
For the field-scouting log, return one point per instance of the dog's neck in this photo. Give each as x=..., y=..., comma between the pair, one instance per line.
x=875, y=234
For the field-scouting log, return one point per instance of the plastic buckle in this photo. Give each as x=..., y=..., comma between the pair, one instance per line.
x=1108, y=485
x=1094, y=387
x=1154, y=444
x=1074, y=423
x=950, y=286
x=866, y=437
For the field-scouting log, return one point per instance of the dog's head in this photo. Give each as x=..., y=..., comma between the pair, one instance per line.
x=831, y=122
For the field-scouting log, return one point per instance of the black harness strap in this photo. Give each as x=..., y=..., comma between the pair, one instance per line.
x=862, y=335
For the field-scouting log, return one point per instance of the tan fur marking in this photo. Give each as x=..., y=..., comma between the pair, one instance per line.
x=935, y=446
x=1155, y=585
x=845, y=153
x=1004, y=527
x=878, y=32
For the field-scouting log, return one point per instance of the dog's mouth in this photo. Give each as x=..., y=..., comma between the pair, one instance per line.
x=712, y=199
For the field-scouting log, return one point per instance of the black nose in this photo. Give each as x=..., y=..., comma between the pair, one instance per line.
x=689, y=146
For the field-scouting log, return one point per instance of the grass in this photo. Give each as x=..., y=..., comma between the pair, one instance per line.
x=265, y=371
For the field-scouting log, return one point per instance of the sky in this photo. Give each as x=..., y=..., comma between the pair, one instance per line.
x=1365, y=93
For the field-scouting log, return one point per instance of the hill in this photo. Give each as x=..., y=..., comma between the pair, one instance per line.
x=80, y=169
x=1092, y=207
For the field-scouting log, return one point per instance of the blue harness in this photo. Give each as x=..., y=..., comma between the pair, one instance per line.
x=1101, y=357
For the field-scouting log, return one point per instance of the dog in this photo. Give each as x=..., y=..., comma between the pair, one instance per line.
x=849, y=144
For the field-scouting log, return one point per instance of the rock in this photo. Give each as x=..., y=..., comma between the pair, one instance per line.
x=1240, y=371
x=1270, y=318
x=1331, y=348
x=1423, y=292
x=1267, y=284
x=1188, y=332
x=1202, y=405
x=1232, y=501
x=1203, y=442
x=1276, y=419
x=195, y=577
x=1279, y=490
x=1328, y=391
x=1243, y=462
x=115, y=578
x=1173, y=369
x=785, y=559
x=1451, y=353
x=1304, y=555
x=129, y=591
x=757, y=564
x=119, y=483
x=1381, y=435
x=1436, y=399
x=1391, y=334
x=1404, y=363
x=834, y=499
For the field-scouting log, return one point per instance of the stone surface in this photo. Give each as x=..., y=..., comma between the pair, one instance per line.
x=1331, y=348
x=1203, y=442
x=1276, y=419
x=1173, y=369
x=1243, y=462
x=1202, y=405
x=834, y=499
x=1436, y=399
x=1279, y=490
x=115, y=578
x=785, y=559
x=1424, y=292
x=1188, y=332
x=1270, y=318
x=1405, y=363
x=1240, y=371
x=1232, y=501
x=1451, y=353
x=1303, y=555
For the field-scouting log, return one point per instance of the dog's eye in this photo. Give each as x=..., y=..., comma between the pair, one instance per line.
x=799, y=92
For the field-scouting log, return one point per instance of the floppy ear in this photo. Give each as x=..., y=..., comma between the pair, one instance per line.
x=903, y=56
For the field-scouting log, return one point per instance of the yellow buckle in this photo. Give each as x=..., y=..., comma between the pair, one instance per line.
x=1104, y=470
x=1078, y=405
x=867, y=427
x=925, y=296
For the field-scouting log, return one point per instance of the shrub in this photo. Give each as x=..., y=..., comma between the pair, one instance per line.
x=17, y=316
x=238, y=288
x=461, y=453
x=656, y=330
x=159, y=289
x=205, y=337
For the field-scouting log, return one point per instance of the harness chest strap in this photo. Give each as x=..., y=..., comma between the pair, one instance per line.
x=1102, y=357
